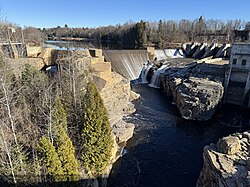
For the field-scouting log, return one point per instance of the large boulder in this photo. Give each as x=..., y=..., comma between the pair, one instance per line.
x=197, y=88
x=197, y=98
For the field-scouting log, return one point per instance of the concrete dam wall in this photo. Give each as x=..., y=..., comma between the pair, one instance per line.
x=128, y=63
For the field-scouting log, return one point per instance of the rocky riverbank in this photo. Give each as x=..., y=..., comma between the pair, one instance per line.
x=227, y=163
x=197, y=88
x=118, y=98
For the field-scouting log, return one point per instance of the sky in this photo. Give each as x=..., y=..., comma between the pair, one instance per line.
x=95, y=13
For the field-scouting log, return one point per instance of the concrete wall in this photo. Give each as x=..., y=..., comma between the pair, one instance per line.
x=240, y=52
x=238, y=76
x=239, y=73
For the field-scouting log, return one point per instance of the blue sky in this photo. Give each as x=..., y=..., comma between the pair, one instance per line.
x=94, y=13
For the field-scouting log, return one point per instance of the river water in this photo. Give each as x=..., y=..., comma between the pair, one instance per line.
x=166, y=151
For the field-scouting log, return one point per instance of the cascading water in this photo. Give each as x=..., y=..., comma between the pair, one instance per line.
x=128, y=63
x=144, y=72
x=155, y=80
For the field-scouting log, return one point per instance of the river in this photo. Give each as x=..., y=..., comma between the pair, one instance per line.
x=166, y=151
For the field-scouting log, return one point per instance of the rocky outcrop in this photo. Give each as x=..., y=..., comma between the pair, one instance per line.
x=197, y=98
x=197, y=88
x=227, y=163
x=118, y=98
x=123, y=131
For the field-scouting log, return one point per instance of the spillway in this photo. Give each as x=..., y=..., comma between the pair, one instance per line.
x=162, y=54
x=128, y=63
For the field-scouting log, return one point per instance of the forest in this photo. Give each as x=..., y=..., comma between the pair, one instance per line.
x=53, y=127
x=159, y=34
x=137, y=35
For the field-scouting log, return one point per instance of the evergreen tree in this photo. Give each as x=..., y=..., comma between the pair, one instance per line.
x=160, y=35
x=96, y=132
x=59, y=115
x=49, y=158
x=63, y=143
x=141, y=36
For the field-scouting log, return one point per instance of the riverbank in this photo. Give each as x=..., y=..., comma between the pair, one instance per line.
x=166, y=150
x=227, y=163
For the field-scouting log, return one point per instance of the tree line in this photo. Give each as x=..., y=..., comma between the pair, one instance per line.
x=138, y=35
x=159, y=34
x=54, y=128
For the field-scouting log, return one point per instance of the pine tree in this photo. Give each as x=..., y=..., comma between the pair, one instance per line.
x=160, y=35
x=59, y=115
x=49, y=158
x=96, y=133
x=141, y=36
x=63, y=143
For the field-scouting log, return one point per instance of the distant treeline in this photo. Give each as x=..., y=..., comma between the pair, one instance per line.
x=159, y=34
x=139, y=35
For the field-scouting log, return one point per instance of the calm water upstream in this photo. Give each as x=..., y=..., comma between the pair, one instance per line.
x=166, y=151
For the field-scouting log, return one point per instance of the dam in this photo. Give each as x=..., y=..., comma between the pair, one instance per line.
x=128, y=63
x=166, y=150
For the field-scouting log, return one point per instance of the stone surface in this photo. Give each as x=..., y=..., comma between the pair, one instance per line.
x=199, y=52
x=123, y=131
x=210, y=50
x=223, y=51
x=102, y=70
x=196, y=88
x=229, y=145
x=118, y=98
x=223, y=169
x=197, y=98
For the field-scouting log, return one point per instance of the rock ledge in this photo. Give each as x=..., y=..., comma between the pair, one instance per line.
x=227, y=163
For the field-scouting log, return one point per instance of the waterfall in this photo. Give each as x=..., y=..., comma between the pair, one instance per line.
x=155, y=80
x=160, y=54
x=144, y=72
x=128, y=63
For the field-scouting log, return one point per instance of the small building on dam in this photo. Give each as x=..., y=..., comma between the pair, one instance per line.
x=237, y=78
